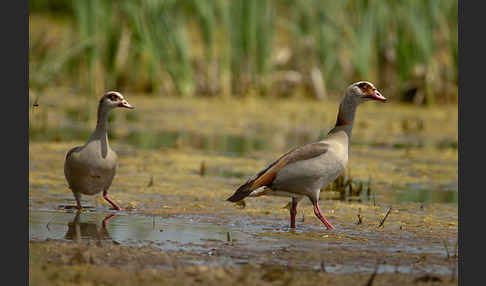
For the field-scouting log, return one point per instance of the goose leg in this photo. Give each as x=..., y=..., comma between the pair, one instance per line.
x=77, y=197
x=108, y=199
x=293, y=212
x=318, y=213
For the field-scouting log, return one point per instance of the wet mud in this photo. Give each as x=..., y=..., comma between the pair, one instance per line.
x=176, y=227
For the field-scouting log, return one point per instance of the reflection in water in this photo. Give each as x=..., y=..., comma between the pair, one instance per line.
x=169, y=233
x=87, y=230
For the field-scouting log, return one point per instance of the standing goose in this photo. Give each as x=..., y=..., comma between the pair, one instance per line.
x=90, y=169
x=304, y=171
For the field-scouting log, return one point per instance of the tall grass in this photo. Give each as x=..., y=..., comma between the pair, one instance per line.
x=251, y=42
x=161, y=42
x=202, y=47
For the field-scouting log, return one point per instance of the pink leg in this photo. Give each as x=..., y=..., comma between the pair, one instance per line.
x=108, y=199
x=77, y=196
x=317, y=212
x=293, y=212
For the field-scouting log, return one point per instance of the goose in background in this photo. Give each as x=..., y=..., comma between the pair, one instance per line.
x=90, y=169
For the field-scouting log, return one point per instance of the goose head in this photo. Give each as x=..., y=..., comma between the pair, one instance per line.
x=363, y=91
x=113, y=99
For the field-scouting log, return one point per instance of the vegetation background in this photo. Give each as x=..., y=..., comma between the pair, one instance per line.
x=223, y=88
x=303, y=48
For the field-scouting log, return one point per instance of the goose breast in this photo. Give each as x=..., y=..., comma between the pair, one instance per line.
x=88, y=171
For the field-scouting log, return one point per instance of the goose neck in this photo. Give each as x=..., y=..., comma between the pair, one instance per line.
x=345, y=117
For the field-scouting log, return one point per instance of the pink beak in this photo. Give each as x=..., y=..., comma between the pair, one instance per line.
x=376, y=96
x=125, y=104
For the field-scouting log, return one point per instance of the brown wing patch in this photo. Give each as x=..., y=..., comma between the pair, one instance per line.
x=266, y=177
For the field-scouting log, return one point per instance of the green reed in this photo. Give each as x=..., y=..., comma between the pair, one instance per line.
x=198, y=47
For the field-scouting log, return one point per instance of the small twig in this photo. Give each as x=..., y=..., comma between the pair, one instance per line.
x=360, y=221
x=323, y=266
x=47, y=225
x=77, y=236
x=453, y=276
x=384, y=218
x=202, y=169
x=368, y=190
x=455, y=249
x=372, y=277
x=151, y=182
x=446, y=248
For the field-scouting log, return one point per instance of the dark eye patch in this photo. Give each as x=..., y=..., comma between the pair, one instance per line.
x=113, y=97
x=363, y=85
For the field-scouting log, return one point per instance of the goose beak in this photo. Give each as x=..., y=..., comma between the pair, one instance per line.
x=379, y=97
x=125, y=104
x=376, y=95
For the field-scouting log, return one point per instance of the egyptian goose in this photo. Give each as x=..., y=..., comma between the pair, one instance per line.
x=304, y=171
x=90, y=169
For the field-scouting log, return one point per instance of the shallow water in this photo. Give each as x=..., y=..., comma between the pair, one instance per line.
x=166, y=233
x=235, y=243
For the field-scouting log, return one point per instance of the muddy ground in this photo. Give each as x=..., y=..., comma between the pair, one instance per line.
x=62, y=263
x=180, y=159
